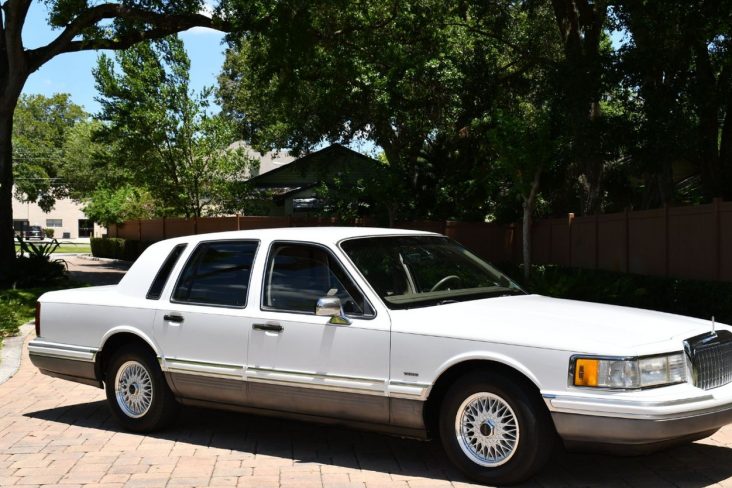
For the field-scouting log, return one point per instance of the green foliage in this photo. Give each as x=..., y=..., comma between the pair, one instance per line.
x=9, y=321
x=37, y=250
x=34, y=267
x=173, y=152
x=41, y=127
x=116, y=248
x=49, y=233
x=128, y=202
x=17, y=306
x=685, y=297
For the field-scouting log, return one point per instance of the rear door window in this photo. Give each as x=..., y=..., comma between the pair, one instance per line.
x=217, y=274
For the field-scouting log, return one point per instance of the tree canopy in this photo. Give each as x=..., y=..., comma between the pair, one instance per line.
x=161, y=134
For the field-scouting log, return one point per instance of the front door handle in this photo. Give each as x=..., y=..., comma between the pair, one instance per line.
x=268, y=327
x=173, y=317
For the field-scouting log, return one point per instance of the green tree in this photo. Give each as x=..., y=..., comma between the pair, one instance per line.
x=162, y=132
x=400, y=74
x=679, y=56
x=582, y=27
x=82, y=26
x=41, y=128
x=107, y=206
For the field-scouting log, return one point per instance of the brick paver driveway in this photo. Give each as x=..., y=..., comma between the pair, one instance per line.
x=53, y=432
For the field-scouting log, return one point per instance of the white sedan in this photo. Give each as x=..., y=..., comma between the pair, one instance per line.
x=393, y=330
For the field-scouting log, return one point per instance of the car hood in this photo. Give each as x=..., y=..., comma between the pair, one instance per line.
x=538, y=321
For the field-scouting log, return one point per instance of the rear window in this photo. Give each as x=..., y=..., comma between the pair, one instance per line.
x=217, y=274
x=156, y=289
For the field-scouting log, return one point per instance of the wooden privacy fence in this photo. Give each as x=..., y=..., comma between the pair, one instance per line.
x=692, y=242
x=492, y=241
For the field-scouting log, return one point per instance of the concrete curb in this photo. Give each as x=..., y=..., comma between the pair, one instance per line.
x=12, y=351
x=89, y=257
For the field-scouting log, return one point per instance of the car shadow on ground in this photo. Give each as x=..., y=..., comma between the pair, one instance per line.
x=693, y=465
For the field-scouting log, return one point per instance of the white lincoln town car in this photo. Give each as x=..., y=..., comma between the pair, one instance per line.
x=399, y=331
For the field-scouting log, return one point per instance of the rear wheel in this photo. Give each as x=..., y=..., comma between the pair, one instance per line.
x=137, y=392
x=494, y=429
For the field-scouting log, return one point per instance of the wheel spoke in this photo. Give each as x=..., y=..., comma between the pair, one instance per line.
x=487, y=429
x=133, y=389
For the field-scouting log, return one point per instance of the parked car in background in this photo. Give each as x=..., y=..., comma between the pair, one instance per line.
x=34, y=232
x=399, y=331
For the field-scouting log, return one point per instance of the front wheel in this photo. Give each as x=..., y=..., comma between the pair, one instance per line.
x=495, y=430
x=137, y=392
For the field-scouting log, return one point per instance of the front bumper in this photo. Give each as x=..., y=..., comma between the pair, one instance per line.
x=637, y=422
x=636, y=436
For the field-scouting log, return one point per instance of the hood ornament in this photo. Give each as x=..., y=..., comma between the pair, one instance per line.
x=714, y=326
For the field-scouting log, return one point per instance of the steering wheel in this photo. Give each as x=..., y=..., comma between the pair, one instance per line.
x=444, y=280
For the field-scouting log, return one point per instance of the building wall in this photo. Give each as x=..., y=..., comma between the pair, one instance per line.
x=68, y=211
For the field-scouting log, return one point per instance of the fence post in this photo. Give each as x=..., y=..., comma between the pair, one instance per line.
x=238, y=222
x=570, y=221
x=195, y=224
x=627, y=240
x=718, y=238
x=667, y=241
x=165, y=233
x=597, y=241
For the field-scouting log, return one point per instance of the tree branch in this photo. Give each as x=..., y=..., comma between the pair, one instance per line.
x=15, y=12
x=163, y=25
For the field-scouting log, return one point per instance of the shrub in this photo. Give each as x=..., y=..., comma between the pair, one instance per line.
x=50, y=233
x=116, y=248
x=9, y=320
x=700, y=299
x=34, y=267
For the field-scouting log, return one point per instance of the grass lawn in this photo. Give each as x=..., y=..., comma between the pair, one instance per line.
x=16, y=308
x=68, y=247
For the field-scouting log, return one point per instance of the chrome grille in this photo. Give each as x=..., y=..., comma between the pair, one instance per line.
x=711, y=359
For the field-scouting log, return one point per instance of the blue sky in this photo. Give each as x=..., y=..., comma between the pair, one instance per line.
x=72, y=73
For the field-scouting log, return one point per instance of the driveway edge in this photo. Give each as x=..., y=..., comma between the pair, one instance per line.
x=11, y=352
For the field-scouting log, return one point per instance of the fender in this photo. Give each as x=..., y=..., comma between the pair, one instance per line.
x=130, y=330
x=483, y=355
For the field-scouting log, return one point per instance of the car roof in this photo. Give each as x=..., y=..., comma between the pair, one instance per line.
x=137, y=280
x=330, y=235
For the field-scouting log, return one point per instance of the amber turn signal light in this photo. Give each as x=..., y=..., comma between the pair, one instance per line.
x=585, y=372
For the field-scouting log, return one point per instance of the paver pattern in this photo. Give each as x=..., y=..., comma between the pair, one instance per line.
x=60, y=434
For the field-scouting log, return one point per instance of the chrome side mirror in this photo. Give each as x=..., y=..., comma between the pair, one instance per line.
x=331, y=307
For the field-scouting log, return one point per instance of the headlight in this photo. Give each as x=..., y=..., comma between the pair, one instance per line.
x=629, y=373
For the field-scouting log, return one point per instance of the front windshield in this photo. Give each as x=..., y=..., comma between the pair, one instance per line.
x=418, y=271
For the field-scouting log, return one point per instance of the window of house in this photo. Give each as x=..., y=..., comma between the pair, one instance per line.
x=54, y=223
x=299, y=274
x=217, y=274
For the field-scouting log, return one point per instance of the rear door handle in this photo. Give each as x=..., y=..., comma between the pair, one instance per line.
x=268, y=327
x=173, y=317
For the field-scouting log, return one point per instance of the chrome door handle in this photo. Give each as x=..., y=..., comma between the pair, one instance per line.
x=268, y=327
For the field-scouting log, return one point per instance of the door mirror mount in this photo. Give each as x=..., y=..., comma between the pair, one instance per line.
x=331, y=307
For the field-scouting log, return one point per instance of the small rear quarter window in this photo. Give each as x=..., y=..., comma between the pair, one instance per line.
x=156, y=289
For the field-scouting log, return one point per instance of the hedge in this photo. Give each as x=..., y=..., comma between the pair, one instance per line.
x=701, y=299
x=116, y=248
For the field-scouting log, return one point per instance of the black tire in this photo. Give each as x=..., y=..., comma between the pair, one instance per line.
x=535, y=442
x=161, y=407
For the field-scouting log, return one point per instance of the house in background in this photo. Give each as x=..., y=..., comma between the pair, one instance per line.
x=67, y=219
x=267, y=161
x=292, y=187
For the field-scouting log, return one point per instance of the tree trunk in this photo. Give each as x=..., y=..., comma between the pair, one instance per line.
x=7, y=237
x=529, y=204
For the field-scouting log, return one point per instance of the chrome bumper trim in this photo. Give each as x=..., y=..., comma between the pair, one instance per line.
x=39, y=347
